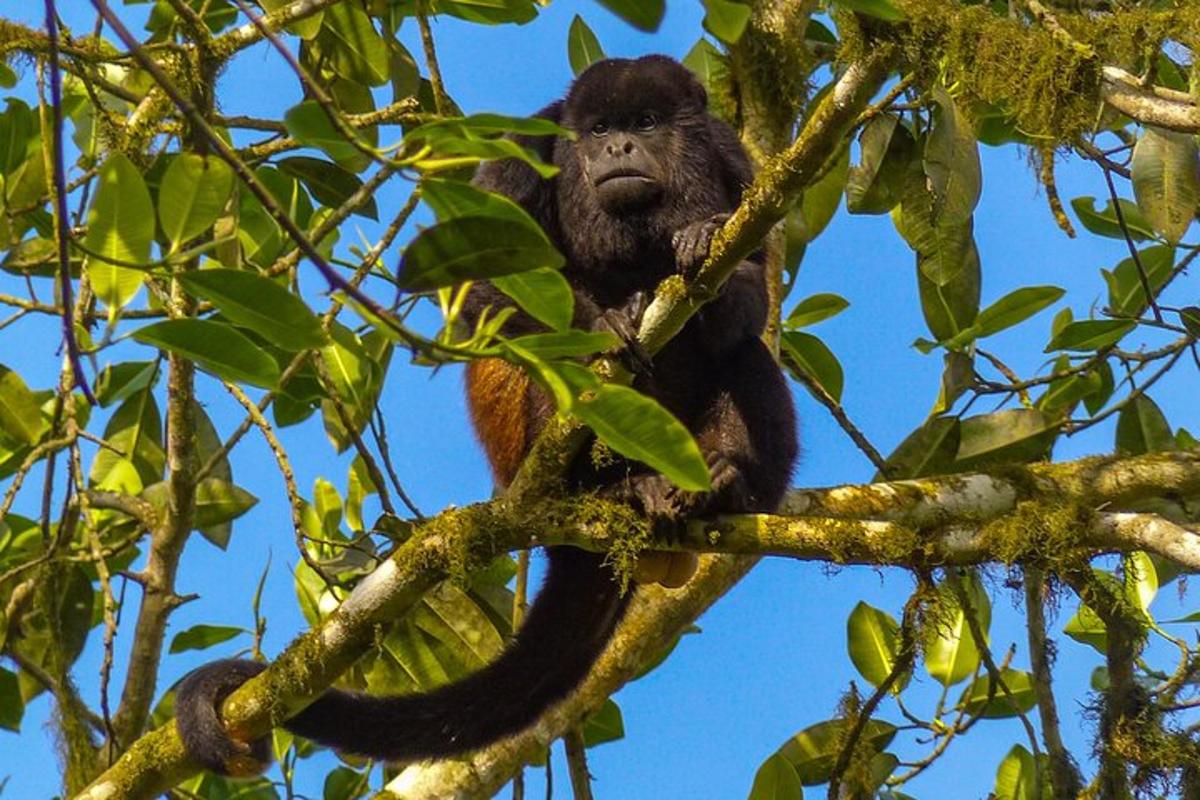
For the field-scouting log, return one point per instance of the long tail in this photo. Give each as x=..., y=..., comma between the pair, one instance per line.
x=567, y=627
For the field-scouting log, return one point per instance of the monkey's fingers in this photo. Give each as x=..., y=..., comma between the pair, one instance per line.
x=693, y=242
x=633, y=355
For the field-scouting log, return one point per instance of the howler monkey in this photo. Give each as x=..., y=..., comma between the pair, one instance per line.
x=637, y=198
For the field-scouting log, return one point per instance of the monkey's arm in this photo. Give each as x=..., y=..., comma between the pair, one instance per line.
x=740, y=310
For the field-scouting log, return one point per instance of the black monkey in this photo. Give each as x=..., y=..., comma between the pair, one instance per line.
x=638, y=197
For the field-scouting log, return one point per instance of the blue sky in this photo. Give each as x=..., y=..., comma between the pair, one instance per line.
x=772, y=656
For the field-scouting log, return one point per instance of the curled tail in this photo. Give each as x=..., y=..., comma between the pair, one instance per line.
x=567, y=627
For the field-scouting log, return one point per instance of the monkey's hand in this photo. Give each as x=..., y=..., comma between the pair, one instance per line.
x=693, y=242
x=623, y=322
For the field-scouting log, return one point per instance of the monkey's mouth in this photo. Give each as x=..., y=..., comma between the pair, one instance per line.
x=623, y=175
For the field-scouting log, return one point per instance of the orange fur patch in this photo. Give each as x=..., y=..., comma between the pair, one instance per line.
x=497, y=397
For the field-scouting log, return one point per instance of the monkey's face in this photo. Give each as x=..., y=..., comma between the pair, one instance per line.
x=622, y=158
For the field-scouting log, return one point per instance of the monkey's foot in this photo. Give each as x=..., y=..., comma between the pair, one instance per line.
x=208, y=742
x=693, y=242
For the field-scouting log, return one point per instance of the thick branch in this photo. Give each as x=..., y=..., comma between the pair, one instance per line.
x=1164, y=108
x=901, y=528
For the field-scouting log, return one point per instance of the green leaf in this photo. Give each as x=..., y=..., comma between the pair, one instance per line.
x=776, y=779
x=637, y=427
x=260, y=304
x=726, y=19
x=814, y=309
x=873, y=638
x=468, y=248
x=216, y=346
x=929, y=450
x=453, y=618
x=120, y=228
x=1142, y=428
x=12, y=707
x=711, y=68
x=1166, y=180
x=452, y=199
x=543, y=294
x=489, y=12
x=951, y=654
x=820, y=201
x=880, y=9
x=135, y=429
x=1086, y=627
x=331, y=184
x=1105, y=223
x=192, y=195
x=814, y=750
x=356, y=50
x=1126, y=289
x=806, y=354
x=583, y=48
x=951, y=163
x=645, y=15
x=1017, y=777
x=1020, y=697
x=20, y=413
x=951, y=308
x=875, y=185
x=1012, y=436
x=606, y=725
x=217, y=501
x=201, y=637
x=119, y=381
x=306, y=28
x=310, y=125
x=343, y=783
x=1189, y=317
x=477, y=126
x=1141, y=579
x=565, y=344
x=1090, y=335
x=1015, y=307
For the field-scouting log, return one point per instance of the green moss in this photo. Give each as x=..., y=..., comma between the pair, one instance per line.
x=1049, y=84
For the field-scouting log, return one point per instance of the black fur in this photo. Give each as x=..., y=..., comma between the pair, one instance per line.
x=716, y=376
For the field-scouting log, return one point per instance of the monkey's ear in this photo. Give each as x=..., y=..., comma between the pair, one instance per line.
x=700, y=94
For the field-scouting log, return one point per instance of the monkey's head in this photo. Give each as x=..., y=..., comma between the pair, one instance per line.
x=636, y=120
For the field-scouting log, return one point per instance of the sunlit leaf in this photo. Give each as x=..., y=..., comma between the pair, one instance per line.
x=583, y=48
x=192, y=195
x=201, y=637
x=1166, y=180
x=776, y=779
x=217, y=347
x=873, y=638
x=804, y=353
x=1142, y=428
x=951, y=654
x=120, y=229
x=813, y=751
x=1090, y=334
x=637, y=427
x=814, y=309
x=260, y=304
x=468, y=248
x=1105, y=223
x=1019, y=698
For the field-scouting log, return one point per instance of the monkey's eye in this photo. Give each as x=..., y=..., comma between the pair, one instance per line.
x=599, y=129
x=647, y=122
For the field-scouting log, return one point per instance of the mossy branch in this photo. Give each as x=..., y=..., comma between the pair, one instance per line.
x=1014, y=514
